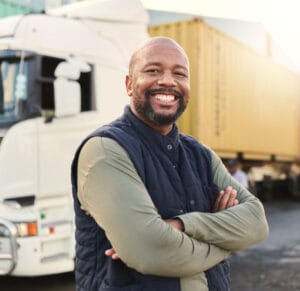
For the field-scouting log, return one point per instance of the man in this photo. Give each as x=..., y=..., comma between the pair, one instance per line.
x=235, y=169
x=156, y=210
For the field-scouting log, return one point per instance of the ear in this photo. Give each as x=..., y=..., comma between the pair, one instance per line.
x=128, y=82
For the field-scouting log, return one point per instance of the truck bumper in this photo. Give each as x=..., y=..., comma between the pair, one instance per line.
x=33, y=256
x=8, y=247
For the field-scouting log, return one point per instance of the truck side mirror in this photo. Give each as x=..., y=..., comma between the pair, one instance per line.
x=67, y=93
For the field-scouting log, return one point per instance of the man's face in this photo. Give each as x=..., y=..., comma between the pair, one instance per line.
x=158, y=83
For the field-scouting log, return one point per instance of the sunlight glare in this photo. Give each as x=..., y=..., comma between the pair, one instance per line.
x=281, y=19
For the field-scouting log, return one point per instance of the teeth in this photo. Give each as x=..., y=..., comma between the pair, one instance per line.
x=165, y=98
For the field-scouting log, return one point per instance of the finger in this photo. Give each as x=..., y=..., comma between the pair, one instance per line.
x=232, y=198
x=217, y=202
x=109, y=252
x=115, y=256
x=228, y=189
x=224, y=199
x=112, y=253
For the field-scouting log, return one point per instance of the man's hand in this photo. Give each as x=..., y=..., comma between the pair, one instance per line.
x=226, y=198
x=112, y=253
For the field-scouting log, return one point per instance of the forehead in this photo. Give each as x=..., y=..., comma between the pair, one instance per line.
x=162, y=52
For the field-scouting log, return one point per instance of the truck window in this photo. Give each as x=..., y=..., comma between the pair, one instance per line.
x=47, y=78
x=48, y=66
x=9, y=98
x=86, y=91
x=19, y=96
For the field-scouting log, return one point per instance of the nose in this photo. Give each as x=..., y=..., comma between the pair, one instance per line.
x=166, y=79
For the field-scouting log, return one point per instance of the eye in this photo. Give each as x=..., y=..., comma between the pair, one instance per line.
x=152, y=71
x=180, y=74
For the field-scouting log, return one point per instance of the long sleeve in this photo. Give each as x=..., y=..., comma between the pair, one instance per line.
x=111, y=191
x=235, y=228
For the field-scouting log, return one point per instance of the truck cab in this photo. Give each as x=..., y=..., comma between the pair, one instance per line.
x=62, y=75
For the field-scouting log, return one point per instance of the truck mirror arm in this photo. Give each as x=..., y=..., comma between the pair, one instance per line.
x=1, y=95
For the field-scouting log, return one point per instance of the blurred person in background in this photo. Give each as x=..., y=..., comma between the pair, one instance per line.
x=294, y=175
x=235, y=169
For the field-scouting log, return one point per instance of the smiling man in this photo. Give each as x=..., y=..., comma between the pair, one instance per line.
x=159, y=87
x=155, y=209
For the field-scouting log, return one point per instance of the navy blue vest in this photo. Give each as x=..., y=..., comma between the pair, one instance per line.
x=176, y=171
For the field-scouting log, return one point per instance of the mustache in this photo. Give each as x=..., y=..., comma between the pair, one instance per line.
x=166, y=91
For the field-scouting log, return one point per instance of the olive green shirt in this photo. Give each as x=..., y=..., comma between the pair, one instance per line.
x=112, y=192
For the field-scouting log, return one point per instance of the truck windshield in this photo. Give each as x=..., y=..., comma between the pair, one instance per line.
x=13, y=86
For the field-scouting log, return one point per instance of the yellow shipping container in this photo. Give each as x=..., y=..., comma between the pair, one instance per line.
x=241, y=102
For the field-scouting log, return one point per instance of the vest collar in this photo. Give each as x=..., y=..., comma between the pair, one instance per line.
x=154, y=137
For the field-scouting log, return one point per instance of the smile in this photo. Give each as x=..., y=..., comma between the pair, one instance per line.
x=165, y=98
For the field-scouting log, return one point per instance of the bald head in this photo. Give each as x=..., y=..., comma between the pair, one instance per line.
x=163, y=42
x=158, y=83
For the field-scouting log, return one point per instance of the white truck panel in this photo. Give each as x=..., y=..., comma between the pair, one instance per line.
x=36, y=154
x=18, y=160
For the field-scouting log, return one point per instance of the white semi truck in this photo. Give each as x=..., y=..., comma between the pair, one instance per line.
x=62, y=76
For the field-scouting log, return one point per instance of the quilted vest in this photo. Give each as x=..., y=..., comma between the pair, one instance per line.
x=176, y=171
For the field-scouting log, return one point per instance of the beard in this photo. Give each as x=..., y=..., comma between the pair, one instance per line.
x=146, y=110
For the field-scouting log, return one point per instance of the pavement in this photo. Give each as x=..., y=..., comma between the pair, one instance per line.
x=275, y=263
x=272, y=265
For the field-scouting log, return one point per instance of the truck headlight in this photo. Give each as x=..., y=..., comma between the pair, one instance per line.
x=26, y=228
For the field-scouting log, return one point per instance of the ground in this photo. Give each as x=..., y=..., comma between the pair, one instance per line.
x=275, y=263
x=262, y=271
x=272, y=265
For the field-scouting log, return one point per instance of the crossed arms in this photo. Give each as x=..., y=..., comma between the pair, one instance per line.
x=111, y=191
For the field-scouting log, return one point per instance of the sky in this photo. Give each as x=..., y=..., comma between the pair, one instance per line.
x=281, y=18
